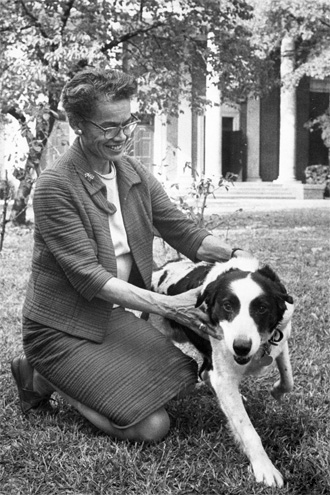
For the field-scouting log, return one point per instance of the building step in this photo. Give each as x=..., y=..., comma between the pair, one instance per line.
x=254, y=196
x=256, y=190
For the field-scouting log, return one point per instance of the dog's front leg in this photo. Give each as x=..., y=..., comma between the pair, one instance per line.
x=227, y=391
x=285, y=383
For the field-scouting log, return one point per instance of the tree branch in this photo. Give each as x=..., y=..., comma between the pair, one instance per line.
x=128, y=36
x=325, y=23
x=13, y=28
x=135, y=57
x=66, y=13
x=34, y=19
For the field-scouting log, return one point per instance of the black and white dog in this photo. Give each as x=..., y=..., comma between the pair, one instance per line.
x=252, y=310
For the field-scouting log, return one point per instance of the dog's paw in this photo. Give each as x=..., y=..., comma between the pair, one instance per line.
x=277, y=394
x=265, y=472
x=279, y=390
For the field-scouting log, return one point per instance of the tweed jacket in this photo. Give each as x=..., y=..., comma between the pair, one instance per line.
x=73, y=254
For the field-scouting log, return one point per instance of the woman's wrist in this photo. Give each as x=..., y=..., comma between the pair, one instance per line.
x=234, y=250
x=213, y=249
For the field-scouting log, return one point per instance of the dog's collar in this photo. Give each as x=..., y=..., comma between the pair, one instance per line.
x=265, y=358
x=276, y=337
x=274, y=340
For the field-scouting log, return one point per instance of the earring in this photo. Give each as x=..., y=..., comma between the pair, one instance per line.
x=78, y=132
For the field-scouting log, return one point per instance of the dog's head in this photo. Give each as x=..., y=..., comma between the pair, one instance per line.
x=248, y=306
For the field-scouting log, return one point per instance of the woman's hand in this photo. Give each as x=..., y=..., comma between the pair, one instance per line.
x=240, y=253
x=182, y=310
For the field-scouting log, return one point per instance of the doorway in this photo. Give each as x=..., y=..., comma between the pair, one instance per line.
x=232, y=153
x=318, y=153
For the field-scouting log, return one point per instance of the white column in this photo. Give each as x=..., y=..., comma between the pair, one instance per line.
x=288, y=114
x=184, y=142
x=253, y=140
x=200, y=144
x=160, y=140
x=213, y=131
x=213, y=122
x=2, y=150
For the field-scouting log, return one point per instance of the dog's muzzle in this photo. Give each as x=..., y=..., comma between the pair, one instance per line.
x=242, y=347
x=241, y=360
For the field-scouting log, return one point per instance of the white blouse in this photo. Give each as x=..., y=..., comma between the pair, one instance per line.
x=117, y=227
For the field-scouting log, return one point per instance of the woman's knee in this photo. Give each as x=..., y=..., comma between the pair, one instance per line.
x=150, y=429
x=153, y=428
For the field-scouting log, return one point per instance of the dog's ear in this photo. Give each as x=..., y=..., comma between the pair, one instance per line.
x=287, y=298
x=206, y=300
x=206, y=295
x=200, y=300
x=267, y=272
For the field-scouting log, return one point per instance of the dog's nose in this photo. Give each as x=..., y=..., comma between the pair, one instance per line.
x=242, y=347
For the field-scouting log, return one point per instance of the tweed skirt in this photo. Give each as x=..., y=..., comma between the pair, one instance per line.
x=131, y=374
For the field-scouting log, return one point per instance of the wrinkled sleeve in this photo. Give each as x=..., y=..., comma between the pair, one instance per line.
x=61, y=235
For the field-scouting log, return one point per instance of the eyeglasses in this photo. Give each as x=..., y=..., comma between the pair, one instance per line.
x=111, y=132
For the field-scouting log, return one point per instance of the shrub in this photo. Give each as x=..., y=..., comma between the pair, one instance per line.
x=317, y=174
x=193, y=201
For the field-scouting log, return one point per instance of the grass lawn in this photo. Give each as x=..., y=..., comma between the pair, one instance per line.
x=61, y=453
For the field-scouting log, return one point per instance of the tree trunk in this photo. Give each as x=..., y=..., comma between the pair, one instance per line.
x=44, y=126
x=18, y=212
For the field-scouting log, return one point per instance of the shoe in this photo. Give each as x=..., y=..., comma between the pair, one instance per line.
x=23, y=375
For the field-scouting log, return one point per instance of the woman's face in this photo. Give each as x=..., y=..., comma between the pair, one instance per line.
x=107, y=113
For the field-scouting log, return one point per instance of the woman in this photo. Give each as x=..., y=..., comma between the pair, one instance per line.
x=95, y=212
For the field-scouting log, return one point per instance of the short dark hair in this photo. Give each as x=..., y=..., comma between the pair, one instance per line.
x=90, y=85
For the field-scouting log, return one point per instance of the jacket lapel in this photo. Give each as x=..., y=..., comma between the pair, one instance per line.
x=135, y=205
x=91, y=181
x=127, y=177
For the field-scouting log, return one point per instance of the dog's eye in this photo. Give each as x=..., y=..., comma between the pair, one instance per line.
x=261, y=309
x=227, y=307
